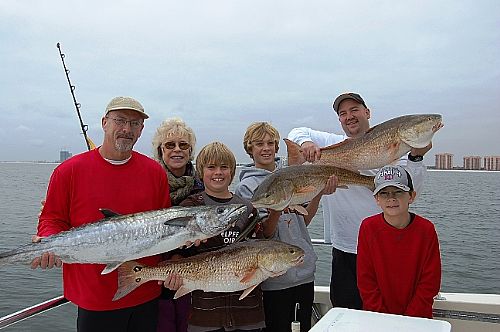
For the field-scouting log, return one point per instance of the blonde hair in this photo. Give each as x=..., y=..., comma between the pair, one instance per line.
x=168, y=128
x=256, y=132
x=215, y=153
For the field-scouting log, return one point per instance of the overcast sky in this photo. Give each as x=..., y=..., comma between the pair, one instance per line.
x=221, y=65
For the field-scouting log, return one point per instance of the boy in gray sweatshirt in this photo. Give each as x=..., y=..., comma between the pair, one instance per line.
x=261, y=142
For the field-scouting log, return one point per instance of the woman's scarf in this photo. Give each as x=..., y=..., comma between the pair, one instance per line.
x=183, y=186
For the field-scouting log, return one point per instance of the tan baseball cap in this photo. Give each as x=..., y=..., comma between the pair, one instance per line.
x=125, y=103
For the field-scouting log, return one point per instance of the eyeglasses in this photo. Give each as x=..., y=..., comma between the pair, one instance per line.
x=134, y=124
x=181, y=145
x=391, y=194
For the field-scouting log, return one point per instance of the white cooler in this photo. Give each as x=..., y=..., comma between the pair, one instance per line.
x=350, y=320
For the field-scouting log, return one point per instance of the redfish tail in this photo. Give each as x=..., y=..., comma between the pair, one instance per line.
x=129, y=278
x=294, y=152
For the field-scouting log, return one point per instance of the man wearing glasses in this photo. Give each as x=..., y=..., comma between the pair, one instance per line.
x=115, y=177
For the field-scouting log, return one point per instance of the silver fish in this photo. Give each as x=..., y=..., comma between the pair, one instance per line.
x=120, y=238
x=241, y=266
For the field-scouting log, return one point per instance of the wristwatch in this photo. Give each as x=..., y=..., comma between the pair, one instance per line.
x=415, y=158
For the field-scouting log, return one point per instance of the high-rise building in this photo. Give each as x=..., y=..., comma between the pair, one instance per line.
x=64, y=154
x=472, y=162
x=492, y=163
x=444, y=161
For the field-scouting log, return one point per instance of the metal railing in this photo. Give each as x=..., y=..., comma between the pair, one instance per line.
x=32, y=311
x=61, y=300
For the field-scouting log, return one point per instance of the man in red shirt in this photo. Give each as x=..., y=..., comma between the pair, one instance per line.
x=115, y=177
x=398, y=262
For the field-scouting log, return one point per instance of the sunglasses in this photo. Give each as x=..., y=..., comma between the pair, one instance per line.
x=181, y=145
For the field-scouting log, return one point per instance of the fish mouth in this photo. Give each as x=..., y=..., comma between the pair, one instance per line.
x=269, y=205
x=437, y=126
x=234, y=214
x=240, y=210
x=299, y=260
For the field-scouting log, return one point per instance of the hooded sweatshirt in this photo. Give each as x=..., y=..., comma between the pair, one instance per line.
x=291, y=229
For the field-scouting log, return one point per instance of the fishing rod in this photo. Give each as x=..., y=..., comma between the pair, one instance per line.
x=88, y=141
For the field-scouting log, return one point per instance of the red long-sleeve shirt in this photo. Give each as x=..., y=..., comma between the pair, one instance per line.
x=77, y=189
x=398, y=270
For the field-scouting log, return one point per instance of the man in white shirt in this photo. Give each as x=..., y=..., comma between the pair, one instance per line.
x=344, y=210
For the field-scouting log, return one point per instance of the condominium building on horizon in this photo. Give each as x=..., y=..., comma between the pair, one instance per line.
x=444, y=161
x=63, y=155
x=492, y=163
x=472, y=162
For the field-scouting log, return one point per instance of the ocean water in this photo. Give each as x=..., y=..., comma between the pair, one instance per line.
x=464, y=206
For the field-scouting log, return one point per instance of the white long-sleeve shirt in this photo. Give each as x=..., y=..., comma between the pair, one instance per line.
x=344, y=210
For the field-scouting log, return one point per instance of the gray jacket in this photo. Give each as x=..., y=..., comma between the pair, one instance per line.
x=291, y=229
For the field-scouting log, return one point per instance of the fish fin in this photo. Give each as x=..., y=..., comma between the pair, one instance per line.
x=179, y=221
x=181, y=292
x=294, y=153
x=247, y=291
x=110, y=267
x=306, y=189
x=248, y=276
x=277, y=274
x=300, y=209
x=129, y=278
x=107, y=213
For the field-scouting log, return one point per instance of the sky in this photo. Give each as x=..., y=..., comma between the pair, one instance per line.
x=221, y=65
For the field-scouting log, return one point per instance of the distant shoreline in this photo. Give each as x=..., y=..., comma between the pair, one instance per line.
x=429, y=168
x=29, y=162
x=461, y=170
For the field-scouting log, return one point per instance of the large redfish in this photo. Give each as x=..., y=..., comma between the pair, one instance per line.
x=381, y=144
x=241, y=266
x=294, y=185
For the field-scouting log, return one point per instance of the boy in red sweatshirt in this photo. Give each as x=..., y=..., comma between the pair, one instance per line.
x=398, y=262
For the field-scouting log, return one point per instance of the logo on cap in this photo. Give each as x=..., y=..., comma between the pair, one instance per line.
x=394, y=176
x=389, y=173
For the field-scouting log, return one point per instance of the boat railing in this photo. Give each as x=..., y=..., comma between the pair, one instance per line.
x=61, y=300
x=317, y=313
x=32, y=311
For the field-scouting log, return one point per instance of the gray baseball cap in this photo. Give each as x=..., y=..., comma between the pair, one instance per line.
x=344, y=96
x=392, y=176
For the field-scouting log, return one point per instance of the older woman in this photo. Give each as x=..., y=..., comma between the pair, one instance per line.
x=173, y=148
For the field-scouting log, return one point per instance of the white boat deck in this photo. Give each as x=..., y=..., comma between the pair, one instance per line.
x=350, y=320
x=464, y=311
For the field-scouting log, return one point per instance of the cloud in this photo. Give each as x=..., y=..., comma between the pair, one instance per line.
x=23, y=128
x=221, y=65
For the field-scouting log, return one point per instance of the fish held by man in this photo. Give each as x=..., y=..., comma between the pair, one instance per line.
x=294, y=185
x=120, y=238
x=380, y=146
x=241, y=266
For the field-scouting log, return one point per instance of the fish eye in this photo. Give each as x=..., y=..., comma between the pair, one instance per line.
x=292, y=251
x=220, y=210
